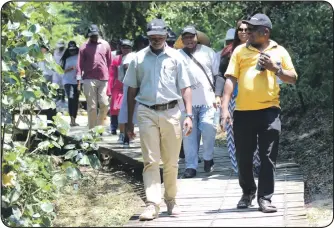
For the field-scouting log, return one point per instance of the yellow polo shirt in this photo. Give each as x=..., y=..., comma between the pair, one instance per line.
x=257, y=89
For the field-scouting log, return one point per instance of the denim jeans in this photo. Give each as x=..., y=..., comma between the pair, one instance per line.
x=202, y=126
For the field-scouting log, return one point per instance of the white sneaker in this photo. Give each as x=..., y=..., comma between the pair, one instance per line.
x=151, y=212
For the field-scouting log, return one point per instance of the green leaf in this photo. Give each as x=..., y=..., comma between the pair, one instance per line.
x=21, y=50
x=59, y=180
x=10, y=156
x=61, y=141
x=34, y=28
x=70, y=154
x=29, y=96
x=46, y=221
x=99, y=129
x=40, y=182
x=94, y=161
x=14, y=196
x=16, y=212
x=44, y=145
x=47, y=207
x=73, y=173
x=18, y=16
x=66, y=164
x=56, y=144
x=27, y=33
x=69, y=146
x=4, y=66
x=84, y=160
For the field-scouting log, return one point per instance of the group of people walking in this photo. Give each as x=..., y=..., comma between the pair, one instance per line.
x=175, y=94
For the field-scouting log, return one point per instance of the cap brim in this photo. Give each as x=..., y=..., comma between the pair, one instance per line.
x=93, y=34
x=60, y=45
x=250, y=22
x=193, y=33
x=72, y=48
x=161, y=33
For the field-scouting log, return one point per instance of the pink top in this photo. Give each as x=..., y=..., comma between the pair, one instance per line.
x=94, y=60
x=115, y=87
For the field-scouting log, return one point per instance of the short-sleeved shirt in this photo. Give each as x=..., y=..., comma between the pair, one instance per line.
x=202, y=92
x=159, y=78
x=257, y=89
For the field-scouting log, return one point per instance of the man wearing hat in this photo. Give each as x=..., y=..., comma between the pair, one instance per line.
x=200, y=60
x=94, y=61
x=158, y=79
x=256, y=65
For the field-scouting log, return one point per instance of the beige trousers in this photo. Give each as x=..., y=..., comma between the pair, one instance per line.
x=96, y=93
x=160, y=137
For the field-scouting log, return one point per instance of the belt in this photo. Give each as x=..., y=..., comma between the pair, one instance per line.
x=161, y=107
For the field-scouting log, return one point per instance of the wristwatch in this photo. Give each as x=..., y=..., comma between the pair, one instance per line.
x=191, y=116
x=279, y=71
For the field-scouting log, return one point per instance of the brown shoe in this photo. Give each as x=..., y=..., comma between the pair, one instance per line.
x=170, y=206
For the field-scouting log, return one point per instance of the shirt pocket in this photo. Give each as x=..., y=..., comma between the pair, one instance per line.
x=169, y=72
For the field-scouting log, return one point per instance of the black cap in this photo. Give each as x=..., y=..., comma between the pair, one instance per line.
x=259, y=19
x=126, y=43
x=156, y=27
x=189, y=29
x=171, y=36
x=72, y=45
x=93, y=30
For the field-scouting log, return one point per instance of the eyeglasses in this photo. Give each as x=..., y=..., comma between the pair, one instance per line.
x=242, y=30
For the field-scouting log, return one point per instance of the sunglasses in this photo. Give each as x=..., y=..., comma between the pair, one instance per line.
x=242, y=30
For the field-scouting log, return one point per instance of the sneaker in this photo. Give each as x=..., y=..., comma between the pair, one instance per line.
x=170, y=206
x=151, y=212
x=120, y=138
x=208, y=166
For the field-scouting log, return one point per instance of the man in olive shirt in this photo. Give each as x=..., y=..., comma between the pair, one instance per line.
x=256, y=66
x=157, y=78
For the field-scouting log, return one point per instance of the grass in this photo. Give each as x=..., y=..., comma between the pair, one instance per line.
x=111, y=201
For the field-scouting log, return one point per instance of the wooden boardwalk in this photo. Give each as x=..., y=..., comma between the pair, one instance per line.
x=210, y=199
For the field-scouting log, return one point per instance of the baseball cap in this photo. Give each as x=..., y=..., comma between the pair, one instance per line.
x=259, y=19
x=93, y=30
x=126, y=43
x=60, y=43
x=156, y=27
x=72, y=45
x=189, y=29
x=230, y=34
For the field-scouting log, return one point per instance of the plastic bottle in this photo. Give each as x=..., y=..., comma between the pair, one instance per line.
x=217, y=116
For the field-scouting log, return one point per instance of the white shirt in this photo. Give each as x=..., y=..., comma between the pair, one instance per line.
x=202, y=93
x=125, y=60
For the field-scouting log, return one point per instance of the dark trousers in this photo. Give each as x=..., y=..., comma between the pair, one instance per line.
x=72, y=94
x=247, y=125
x=114, y=123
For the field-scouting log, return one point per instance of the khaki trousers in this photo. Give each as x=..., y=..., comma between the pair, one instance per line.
x=160, y=137
x=96, y=93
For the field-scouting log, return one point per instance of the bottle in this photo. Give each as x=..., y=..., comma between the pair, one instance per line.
x=217, y=116
x=279, y=81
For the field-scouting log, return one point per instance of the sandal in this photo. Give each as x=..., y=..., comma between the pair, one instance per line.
x=265, y=206
x=245, y=201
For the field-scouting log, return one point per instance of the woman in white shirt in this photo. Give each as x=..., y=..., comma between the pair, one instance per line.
x=70, y=81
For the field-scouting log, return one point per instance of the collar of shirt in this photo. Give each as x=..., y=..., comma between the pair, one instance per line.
x=99, y=41
x=167, y=50
x=272, y=44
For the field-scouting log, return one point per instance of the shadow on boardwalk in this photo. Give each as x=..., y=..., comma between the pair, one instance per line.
x=210, y=199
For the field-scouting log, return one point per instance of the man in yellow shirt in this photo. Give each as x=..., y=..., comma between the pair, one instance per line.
x=257, y=66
